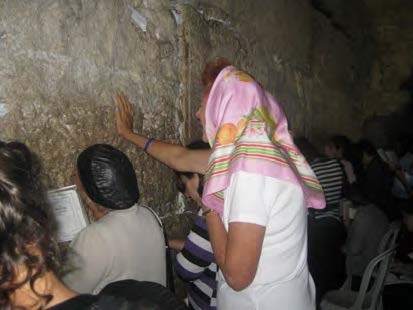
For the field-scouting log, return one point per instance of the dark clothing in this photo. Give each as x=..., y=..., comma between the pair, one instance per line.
x=96, y=302
x=364, y=237
x=149, y=292
x=398, y=296
x=326, y=261
x=125, y=295
x=376, y=184
x=196, y=264
x=326, y=232
x=405, y=245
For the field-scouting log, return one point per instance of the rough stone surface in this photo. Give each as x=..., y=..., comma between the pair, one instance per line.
x=388, y=100
x=332, y=65
x=61, y=62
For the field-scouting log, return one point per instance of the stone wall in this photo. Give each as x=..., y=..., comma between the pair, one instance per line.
x=61, y=62
x=388, y=102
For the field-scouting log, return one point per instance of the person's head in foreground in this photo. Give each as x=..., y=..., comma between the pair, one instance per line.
x=107, y=179
x=190, y=183
x=29, y=256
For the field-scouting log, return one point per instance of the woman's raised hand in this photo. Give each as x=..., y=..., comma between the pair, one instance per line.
x=123, y=114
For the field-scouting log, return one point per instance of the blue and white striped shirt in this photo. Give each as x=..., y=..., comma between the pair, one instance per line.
x=196, y=265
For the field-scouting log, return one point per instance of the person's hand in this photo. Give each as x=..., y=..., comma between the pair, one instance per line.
x=123, y=115
x=348, y=169
x=176, y=244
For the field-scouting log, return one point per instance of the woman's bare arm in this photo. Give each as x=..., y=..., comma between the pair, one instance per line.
x=175, y=156
x=237, y=252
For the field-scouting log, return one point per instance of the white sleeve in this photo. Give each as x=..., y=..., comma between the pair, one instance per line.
x=245, y=199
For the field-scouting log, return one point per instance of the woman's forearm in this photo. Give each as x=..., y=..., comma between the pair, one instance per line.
x=236, y=252
x=174, y=156
x=218, y=238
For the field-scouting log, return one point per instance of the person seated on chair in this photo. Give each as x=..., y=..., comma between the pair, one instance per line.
x=126, y=240
x=30, y=259
x=376, y=180
x=195, y=263
x=365, y=234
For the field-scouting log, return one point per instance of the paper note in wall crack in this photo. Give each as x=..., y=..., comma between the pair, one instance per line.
x=138, y=19
x=3, y=107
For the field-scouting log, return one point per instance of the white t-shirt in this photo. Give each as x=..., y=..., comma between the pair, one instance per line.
x=282, y=279
x=124, y=244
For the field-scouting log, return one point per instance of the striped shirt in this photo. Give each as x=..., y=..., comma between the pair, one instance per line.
x=330, y=173
x=196, y=265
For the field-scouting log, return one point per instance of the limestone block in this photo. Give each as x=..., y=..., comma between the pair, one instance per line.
x=61, y=64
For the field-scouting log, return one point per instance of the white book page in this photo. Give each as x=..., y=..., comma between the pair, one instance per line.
x=69, y=212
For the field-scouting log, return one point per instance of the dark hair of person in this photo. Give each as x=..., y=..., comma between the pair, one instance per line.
x=307, y=148
x=367, y=147
x=108, y=177
x=26, y=229
x=212, y=70
x=195, y=145
x=341, y=142
x=406, y=144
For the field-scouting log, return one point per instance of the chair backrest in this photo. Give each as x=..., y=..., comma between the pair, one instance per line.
x=389, y=239
x=380, y=263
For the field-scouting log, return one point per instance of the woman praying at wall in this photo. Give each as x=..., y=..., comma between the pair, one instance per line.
x=257, y=190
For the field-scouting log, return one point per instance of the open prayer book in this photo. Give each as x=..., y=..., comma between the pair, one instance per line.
x=70, y=214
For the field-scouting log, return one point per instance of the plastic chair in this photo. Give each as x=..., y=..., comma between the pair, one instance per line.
x=364, y=299
x=388, y=241
x=345, y=298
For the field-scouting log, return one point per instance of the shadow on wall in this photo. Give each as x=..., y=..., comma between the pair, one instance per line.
x=385, y=130
x=323, y=8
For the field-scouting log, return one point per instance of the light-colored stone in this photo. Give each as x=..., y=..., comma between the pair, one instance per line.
x=62, y=61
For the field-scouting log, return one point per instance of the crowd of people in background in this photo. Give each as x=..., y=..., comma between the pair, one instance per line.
x=379, y=190
x=271, y=231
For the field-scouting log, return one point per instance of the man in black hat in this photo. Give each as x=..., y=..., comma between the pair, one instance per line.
x=126, y=240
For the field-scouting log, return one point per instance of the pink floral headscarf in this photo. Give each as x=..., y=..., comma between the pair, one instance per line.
x=248, y=131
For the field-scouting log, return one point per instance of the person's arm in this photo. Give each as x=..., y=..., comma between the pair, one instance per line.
x=175, y=156
x=349, y=171
x=399, y=174
x=196, y=255
x=237, y=252
x=176, y=244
